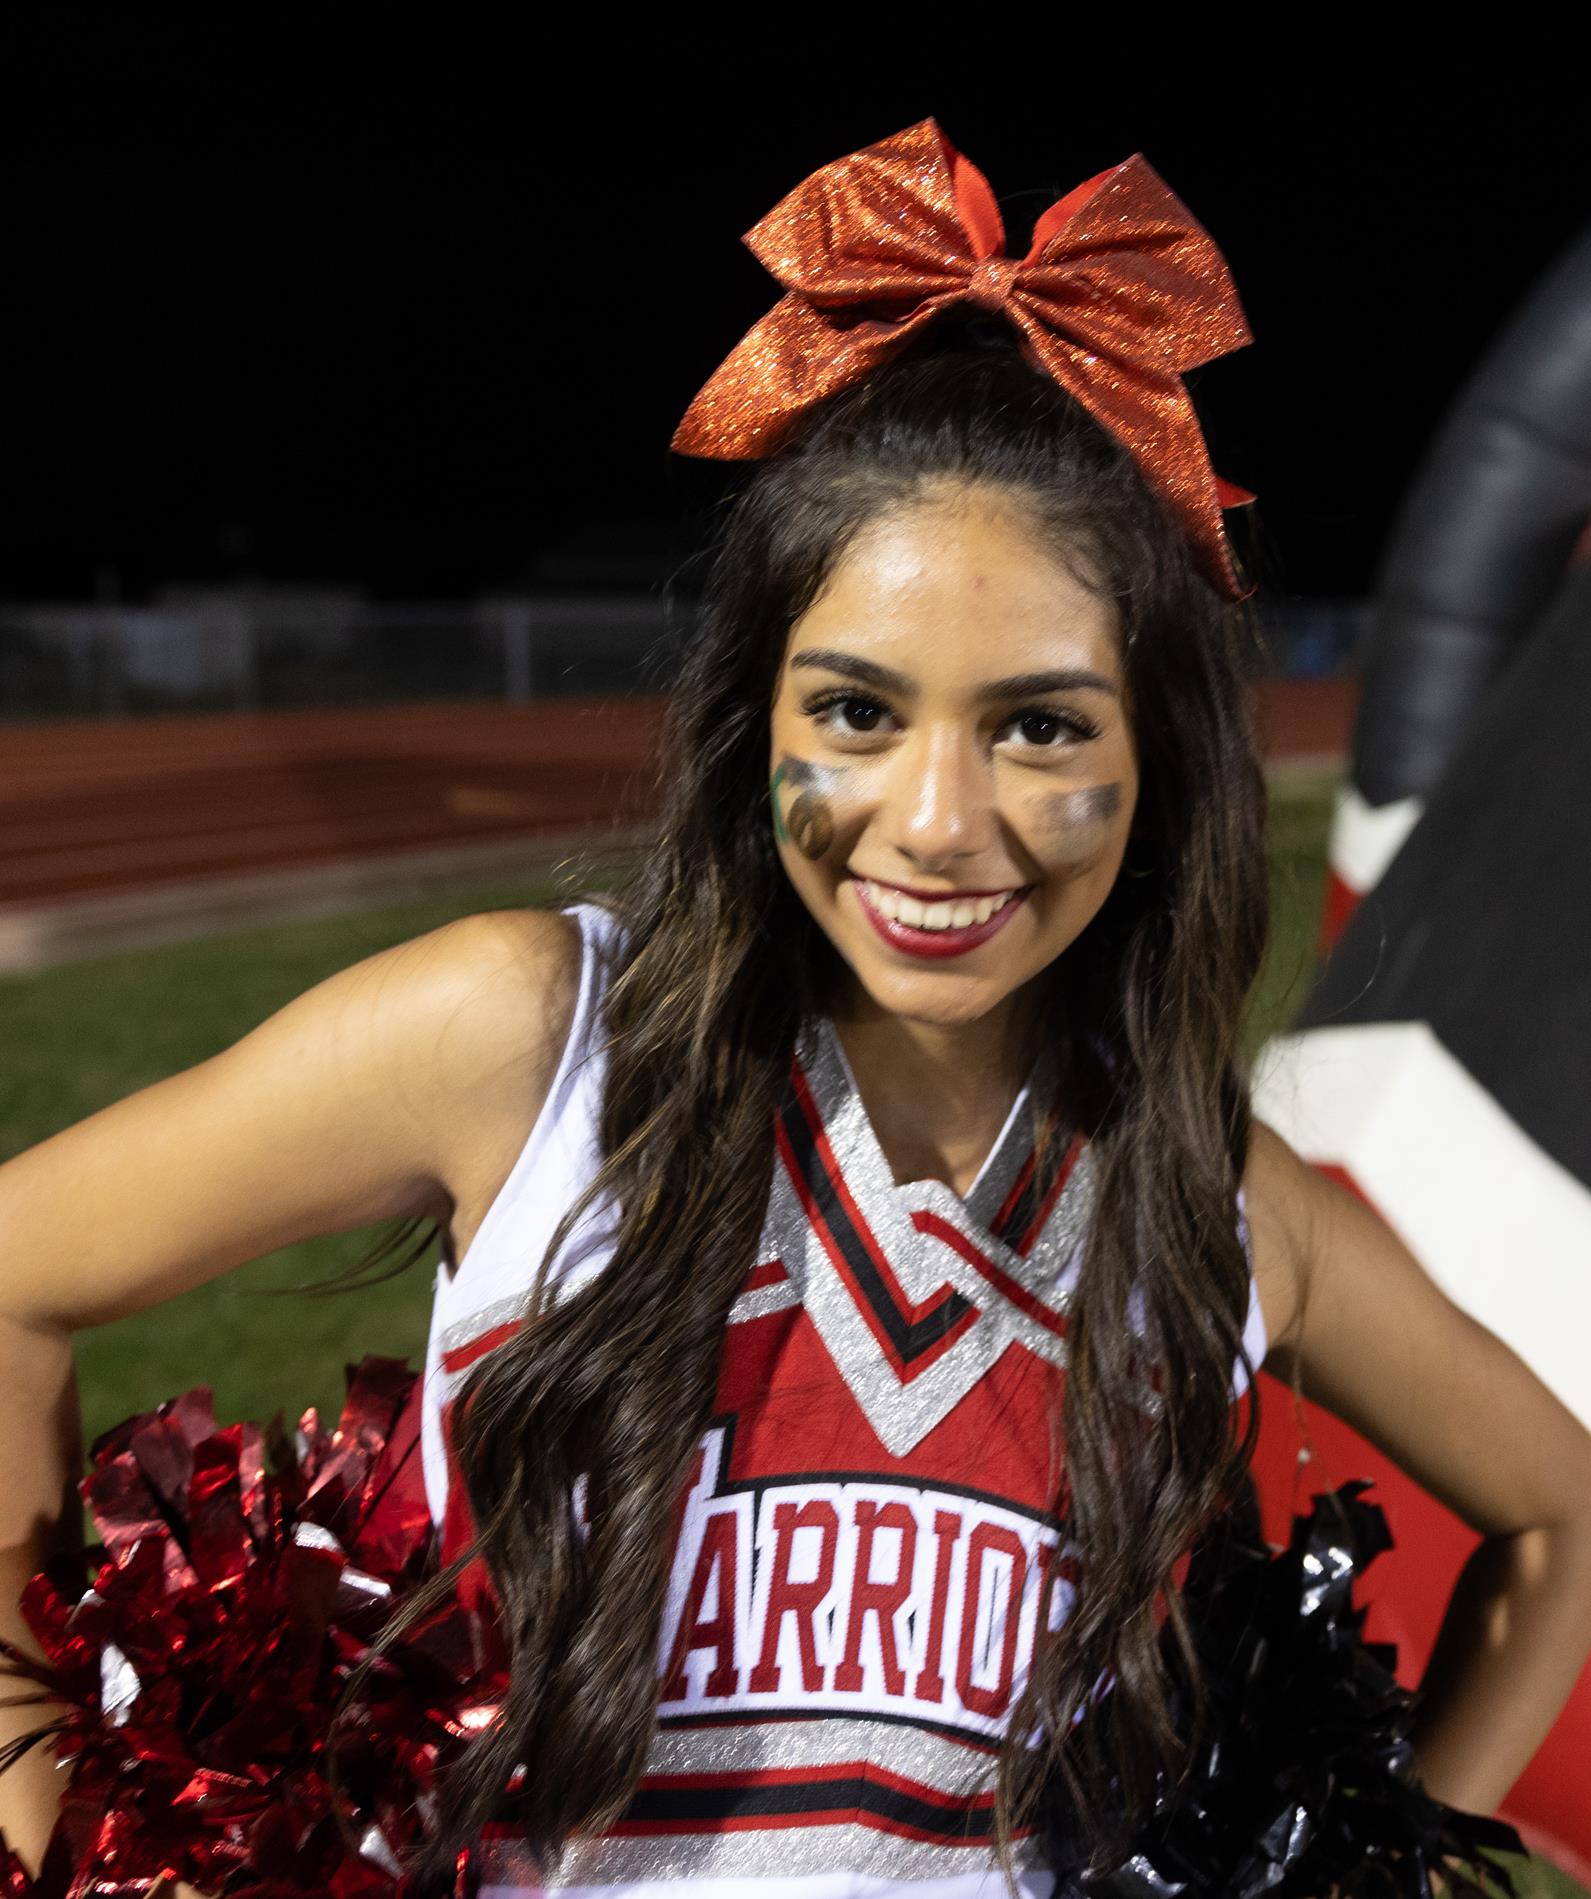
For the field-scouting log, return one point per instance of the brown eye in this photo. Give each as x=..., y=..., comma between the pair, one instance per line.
x=847, y=703
x=1042, y=728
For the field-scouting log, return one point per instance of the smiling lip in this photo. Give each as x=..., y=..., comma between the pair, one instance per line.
x=915, y=942
x=942, y=896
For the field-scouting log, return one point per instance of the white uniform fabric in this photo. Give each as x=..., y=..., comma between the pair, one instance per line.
x=867, y=1552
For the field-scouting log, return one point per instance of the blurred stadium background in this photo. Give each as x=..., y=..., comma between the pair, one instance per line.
x=342, y=569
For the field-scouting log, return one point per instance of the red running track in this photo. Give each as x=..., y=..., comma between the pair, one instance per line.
x=90, y=806
x=106, y=818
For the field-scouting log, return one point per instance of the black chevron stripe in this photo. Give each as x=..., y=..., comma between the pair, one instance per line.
x=909, y=1339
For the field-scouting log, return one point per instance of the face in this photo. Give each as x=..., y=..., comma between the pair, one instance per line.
x=951, y=747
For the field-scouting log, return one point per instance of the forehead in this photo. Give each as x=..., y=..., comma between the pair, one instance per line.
x=960, y=583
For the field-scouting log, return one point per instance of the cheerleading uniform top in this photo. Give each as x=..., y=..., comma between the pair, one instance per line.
x=867, y=1543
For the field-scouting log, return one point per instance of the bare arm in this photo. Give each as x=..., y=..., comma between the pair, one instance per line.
x=1373, y=1339
x=39, y=1513
x=347, y=1107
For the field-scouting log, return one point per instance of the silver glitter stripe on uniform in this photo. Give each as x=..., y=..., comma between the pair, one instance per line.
x=788, y=1852
x=1047, y=1261
x=953, y=1768
x=764, y=1301
x=903, y=1408
x=901, y=1412
x=829, y=1073
x=940, y=1766
x=1050, y=1258
x=500, y=1312
x=585, y=1254
x=757, y=1304
x=823, y=1049
x=764, y=1852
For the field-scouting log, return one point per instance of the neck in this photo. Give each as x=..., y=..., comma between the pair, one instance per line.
x=937, y=1094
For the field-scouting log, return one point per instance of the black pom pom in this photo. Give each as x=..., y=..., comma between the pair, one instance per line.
x=1303, y=1782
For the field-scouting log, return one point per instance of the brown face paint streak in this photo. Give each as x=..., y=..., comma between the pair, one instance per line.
x=1074, y=820
x=808, y=819
x=811, y=824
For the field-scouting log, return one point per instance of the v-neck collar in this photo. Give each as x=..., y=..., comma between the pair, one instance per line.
x=915, y=1292
x=839, y=1101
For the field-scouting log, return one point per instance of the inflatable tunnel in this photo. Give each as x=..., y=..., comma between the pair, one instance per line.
x=1441, y=1066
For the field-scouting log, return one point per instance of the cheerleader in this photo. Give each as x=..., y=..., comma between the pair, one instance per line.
x=856, y=1239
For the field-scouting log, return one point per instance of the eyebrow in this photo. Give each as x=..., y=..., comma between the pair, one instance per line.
x=869, y=673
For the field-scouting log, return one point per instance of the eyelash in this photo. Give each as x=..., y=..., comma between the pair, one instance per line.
x=1081, y=727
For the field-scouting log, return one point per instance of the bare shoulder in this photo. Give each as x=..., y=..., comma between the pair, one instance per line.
x=380, y=1093
x=497, y=961
x=507, y=982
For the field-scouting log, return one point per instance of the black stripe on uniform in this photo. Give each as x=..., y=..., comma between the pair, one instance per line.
x=909, y=1339
x=685, y=1806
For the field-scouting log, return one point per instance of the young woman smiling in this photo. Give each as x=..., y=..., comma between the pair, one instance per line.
x=952, y=650
x=846, y=1284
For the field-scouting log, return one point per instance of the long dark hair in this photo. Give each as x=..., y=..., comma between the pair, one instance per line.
x=720, y=959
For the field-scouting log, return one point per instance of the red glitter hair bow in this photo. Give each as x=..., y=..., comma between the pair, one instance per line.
x=1121, y=292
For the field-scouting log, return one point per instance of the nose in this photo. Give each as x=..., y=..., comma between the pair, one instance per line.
x=942, y=800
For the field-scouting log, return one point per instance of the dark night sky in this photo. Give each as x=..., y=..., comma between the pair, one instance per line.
x=301, y=295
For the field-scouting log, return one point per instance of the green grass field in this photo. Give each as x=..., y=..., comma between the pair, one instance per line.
x=78, y=1038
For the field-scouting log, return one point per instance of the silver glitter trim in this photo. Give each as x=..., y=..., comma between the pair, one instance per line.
x=903, y=1409
x=961, y=1768
x=820, y=1046
x=588, y=1251
x=500, y=1312
x=765, y=1301
x=840, y=1848
x=957, y=1771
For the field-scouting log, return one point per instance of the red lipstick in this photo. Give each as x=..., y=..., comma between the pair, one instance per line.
x=933, y=943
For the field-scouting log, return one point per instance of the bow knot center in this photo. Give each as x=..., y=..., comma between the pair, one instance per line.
x=992, y=281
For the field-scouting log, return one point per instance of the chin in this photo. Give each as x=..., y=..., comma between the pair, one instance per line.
x=937, y=1000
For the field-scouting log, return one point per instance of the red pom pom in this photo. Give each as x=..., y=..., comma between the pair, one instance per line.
x=241, y=1580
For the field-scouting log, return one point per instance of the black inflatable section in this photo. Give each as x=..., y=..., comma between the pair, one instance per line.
x=1483, y=538
x=1482, y=924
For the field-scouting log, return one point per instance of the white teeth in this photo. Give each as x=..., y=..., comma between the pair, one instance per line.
x=946, y=915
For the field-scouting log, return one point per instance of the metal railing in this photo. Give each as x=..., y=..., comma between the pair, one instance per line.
x=249, y=652
x=232, y=652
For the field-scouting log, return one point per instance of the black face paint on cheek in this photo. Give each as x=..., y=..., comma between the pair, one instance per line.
x=808, y=822
x=1075, y=821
